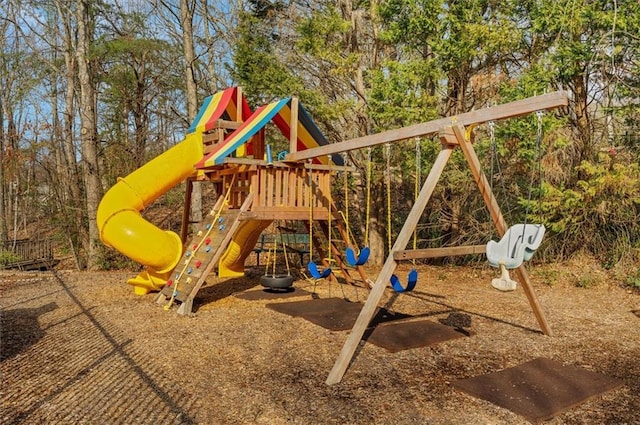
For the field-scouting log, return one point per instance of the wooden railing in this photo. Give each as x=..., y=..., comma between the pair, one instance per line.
x=24, y=253
x=282, y=191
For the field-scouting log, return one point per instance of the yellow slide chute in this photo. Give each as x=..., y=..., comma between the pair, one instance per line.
x=241, y=245
x=122, y=227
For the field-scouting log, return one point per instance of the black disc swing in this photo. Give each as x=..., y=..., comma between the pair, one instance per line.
x=351, y=257
x=412, y=278
x=312, y=267
x=277, y=282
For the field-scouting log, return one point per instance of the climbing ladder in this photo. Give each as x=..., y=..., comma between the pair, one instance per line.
x=201, y=255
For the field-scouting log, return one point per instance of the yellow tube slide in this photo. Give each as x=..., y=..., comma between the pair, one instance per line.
x=122, y=227
x=241, y=245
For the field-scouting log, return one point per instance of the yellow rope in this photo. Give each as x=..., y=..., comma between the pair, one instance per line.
x=330, y=209
x=416, y=189
x=273, y=251
x=388, y=182
x=284, y=251
x=349, y=234
x=310, y=172
x=345, y=216
x=368, y=213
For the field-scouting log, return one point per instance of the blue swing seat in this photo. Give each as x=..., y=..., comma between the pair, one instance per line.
x=315, y=273
x=412, y=280
x=358, y=260
x=517, y=245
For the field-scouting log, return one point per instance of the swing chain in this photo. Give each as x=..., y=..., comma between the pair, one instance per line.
x=539, y=115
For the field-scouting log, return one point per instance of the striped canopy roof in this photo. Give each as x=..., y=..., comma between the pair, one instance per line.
x=222, y=105
x=308, y=134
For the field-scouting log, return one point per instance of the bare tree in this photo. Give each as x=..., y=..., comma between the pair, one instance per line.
x=88, y=132
x=187, y=10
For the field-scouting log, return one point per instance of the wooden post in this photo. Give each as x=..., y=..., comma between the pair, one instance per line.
x=498, y=220
x=369, y=309
x=293, y=126
x=186, y=212
x=258, y=145
x=239, y=117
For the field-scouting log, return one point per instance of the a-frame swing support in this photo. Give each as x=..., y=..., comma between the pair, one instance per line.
x=452, y=133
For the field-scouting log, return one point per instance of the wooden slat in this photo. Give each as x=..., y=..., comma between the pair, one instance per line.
x=277, y=201
x=293, y=126
x=291, y=187
x=275, y=213
x=228, y=125
x=269, y=172
x=254, y=186
x=301, y=189
x=450, y=251
x=263, y=187
x=427, y=129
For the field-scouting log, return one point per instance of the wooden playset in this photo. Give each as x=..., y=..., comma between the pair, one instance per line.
x=226, y=146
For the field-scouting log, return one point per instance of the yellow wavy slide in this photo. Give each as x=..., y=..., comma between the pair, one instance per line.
x=122, y=227
x=241, y=245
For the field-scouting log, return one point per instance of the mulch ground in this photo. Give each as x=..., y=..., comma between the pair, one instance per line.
x=82, y=348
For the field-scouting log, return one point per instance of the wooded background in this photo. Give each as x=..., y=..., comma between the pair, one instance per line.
x=91, y=90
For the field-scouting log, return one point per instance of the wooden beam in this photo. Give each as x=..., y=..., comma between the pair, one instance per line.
x=481, y=180
x=429, y=128
x=498, y=219
x=450, y=251
x=369, y=309
x=239, y=105
x=293, y=126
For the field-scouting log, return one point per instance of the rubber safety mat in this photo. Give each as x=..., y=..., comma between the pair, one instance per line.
x=410, y=334
x=539, y=389
x=334, y=314
x=386, y=330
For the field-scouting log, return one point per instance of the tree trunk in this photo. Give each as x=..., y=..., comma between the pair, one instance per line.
x=88, y=131
x=187, y=8
x=582, y=124
x=70, y=203
x=4, y=232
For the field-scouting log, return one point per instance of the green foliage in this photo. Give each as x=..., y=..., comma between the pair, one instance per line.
x=7, y=258
x=549, y=276
x=398, y=96
x=600, y=213
x=634, y=279
x=256, y=64
x=586, y=282
x=322, y=34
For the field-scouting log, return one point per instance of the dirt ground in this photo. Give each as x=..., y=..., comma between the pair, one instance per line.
x=81, y=348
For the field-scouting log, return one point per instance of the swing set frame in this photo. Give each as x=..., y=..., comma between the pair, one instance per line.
x=452, y=134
